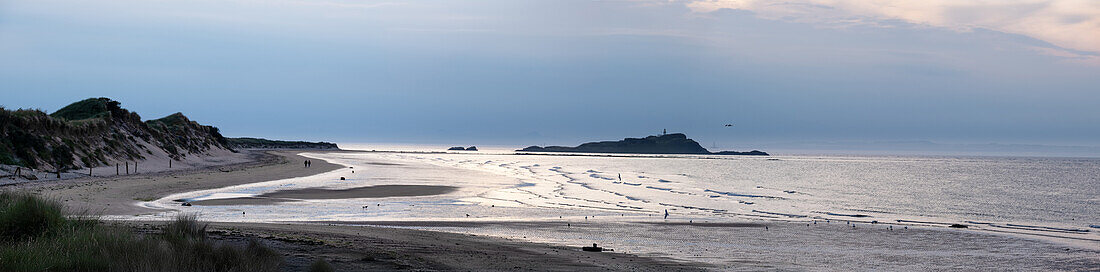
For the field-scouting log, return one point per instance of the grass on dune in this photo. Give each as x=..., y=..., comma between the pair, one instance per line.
x=37, y=235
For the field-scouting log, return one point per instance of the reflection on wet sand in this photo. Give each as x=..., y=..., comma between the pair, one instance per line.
x=322, y=193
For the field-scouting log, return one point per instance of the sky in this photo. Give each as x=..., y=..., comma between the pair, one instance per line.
x=563, y=72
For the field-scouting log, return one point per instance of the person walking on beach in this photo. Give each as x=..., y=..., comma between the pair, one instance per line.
x=666, y=213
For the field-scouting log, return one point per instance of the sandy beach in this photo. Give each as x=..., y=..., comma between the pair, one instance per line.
x=348, y=248
x=116, y=195
x=495, y=244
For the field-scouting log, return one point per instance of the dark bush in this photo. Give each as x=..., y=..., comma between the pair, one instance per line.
x=320, y=265
x=37, y=236
x=24, y=216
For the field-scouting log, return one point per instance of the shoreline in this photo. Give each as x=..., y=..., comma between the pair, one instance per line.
x=461, y=245
x=92, y=195
x=348, y=248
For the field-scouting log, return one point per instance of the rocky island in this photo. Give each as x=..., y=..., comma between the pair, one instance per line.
x=675, y=143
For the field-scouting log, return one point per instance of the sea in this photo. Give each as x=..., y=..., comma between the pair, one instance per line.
x=730, y=213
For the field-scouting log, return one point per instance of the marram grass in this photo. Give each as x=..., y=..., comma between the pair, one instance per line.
x=38, y=236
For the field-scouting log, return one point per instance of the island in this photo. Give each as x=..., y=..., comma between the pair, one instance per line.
x=675, y=143
x=459, y=148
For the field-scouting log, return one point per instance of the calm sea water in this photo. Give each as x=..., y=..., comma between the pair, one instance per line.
x=850, y=212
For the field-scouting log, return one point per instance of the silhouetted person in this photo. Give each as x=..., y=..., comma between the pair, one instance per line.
x=666, y=213
x=305, y=163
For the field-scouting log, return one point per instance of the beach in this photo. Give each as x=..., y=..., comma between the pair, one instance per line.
x=422, y=211
x=348, y=248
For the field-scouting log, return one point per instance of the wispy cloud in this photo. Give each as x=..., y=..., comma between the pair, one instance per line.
x=1073, y=25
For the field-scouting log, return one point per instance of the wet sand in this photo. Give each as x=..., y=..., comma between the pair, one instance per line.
x=396, y=245
x=347, y=248
x=358, y=248
x=322, y=193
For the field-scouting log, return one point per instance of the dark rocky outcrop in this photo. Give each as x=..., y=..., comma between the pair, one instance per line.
x=754, y=153
x=258, y=143
x=675, y=143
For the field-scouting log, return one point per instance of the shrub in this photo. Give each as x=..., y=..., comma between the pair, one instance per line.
x=320, y=265
x=25, y=216
x=37, y=236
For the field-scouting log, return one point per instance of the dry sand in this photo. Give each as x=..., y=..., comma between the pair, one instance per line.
x=118, y=195
x=348, y=248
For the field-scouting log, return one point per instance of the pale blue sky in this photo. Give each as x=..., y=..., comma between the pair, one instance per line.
x=560, y=72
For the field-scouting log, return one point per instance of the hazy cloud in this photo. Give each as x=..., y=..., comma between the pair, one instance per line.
x=1071, y=24
x=559, y=72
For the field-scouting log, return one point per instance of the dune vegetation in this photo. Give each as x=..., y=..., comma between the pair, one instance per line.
x=97, y=132
x=36, y=234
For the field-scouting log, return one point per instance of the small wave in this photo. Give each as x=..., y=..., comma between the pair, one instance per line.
x=781, y=214
x=740, y=195
x=924, y=222
x=694, y=208
x=848, y=215
x=663, y=180
x=601, y=177
x=632, y=184
x=1047, y=228
x=870, y=211
x=658, y=188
